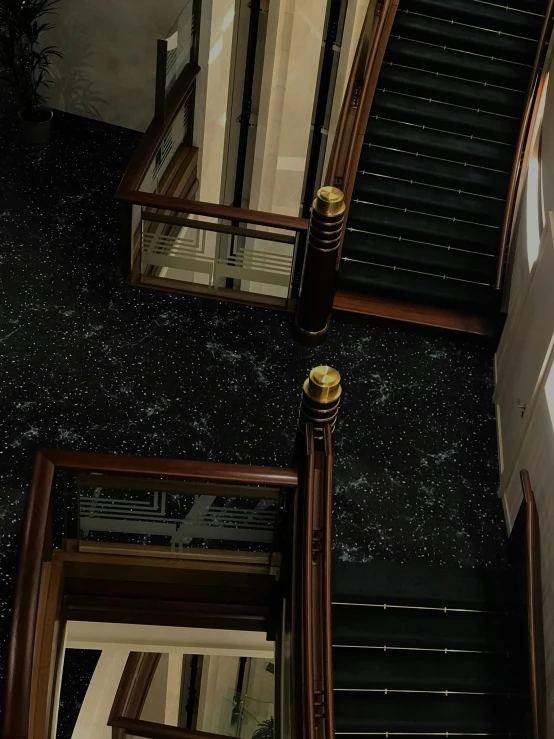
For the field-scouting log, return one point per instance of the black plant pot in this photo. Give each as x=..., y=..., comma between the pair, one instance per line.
x=36, y=124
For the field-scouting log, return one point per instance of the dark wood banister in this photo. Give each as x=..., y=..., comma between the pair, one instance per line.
x=133, y=688
x=316, y=637
x=129, y=187
x=522, y=151
x=349, y=138
x=335, y=172
x=537, y=674
x=16, y=690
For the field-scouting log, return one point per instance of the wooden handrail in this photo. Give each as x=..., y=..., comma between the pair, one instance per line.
x=213, y=210
x=317, y=663
x=307, y=589
x=16, y=691
x=133, y=688
x=335, y=174
x=327, y=599
x=129, y=187
x=537, y=672
x=151, y=730
x=349, y=139
x=156, y=131
x=522, y=151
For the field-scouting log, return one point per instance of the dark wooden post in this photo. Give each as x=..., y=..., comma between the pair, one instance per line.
x=315, y=303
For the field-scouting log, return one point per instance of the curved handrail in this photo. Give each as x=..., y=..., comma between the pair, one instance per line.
x=349, y=139
x=349, y=105
x=317, y=662
x=16, y=691
x=307, y=588
x=133, y=688
x=522, y=151
x=537, y=673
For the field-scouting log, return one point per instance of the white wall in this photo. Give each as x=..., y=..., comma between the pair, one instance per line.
x=524, y=360
x=109, y=64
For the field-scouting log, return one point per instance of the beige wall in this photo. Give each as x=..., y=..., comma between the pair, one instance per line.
x=109, y=48
x=525, y=361
x=293, y=45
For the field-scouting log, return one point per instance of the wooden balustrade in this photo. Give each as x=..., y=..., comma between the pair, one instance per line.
x=36, y=548
x=535, y=632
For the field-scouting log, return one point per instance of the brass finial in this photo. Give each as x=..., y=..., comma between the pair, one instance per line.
x=330, y=201
x=320, y=400
x=323, y=385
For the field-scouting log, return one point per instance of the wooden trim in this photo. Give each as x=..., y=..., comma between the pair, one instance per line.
x=218, y=227
x=212, y=210
x=184, y=468
x=155, y=133
x=35, y=538
x=522, y=151
x=537, y=670
x=326, y=574
x=222, y=556
x=48, y=651
x=308, y=605
x=128, y=482
x=133, y=687
x=375, y=61
x=426, y=315
x=347, y=115
x=151, y=730
x=16, y=693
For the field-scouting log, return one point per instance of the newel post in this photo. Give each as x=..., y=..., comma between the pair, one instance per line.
x=315, y=303
x=320, y=401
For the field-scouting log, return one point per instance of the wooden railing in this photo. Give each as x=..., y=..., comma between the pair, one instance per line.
x=174, y=177
x=360, y=90
x=312, y=667
x=36, y=548
x=533, y=586
x=523, y=146
x=129, y=701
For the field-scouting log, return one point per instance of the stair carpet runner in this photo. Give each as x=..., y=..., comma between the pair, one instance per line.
x=421, y=651
x=428, y=202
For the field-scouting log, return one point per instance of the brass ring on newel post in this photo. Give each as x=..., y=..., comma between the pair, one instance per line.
x=315, y=302
x=320, y=400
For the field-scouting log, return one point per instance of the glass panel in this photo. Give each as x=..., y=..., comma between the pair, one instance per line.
x=218, y=260
x=168, y=516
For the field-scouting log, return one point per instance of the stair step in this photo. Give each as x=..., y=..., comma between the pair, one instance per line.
x=427, y=289
x=413, y=255
x=424, y=228
x=408, y=108
x=489, y=15
x=464, y=37
x=424, y=628
x=423, y=712
x=382, y=189
x=431, y=171
x=451, y=146
x=424, y=55
x=452, y=90
x=358, y=582
x=407, y=669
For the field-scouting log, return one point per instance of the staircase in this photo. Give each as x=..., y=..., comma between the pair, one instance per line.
x=428, y=203
x=427, y=651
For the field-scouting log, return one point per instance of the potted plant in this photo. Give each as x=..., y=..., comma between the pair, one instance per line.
x=24, y=62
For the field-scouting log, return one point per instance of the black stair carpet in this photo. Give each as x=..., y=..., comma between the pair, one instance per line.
x=427, y=651
x=428, y=202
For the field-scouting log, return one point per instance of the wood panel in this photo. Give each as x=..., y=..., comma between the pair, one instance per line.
x=426, y=315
